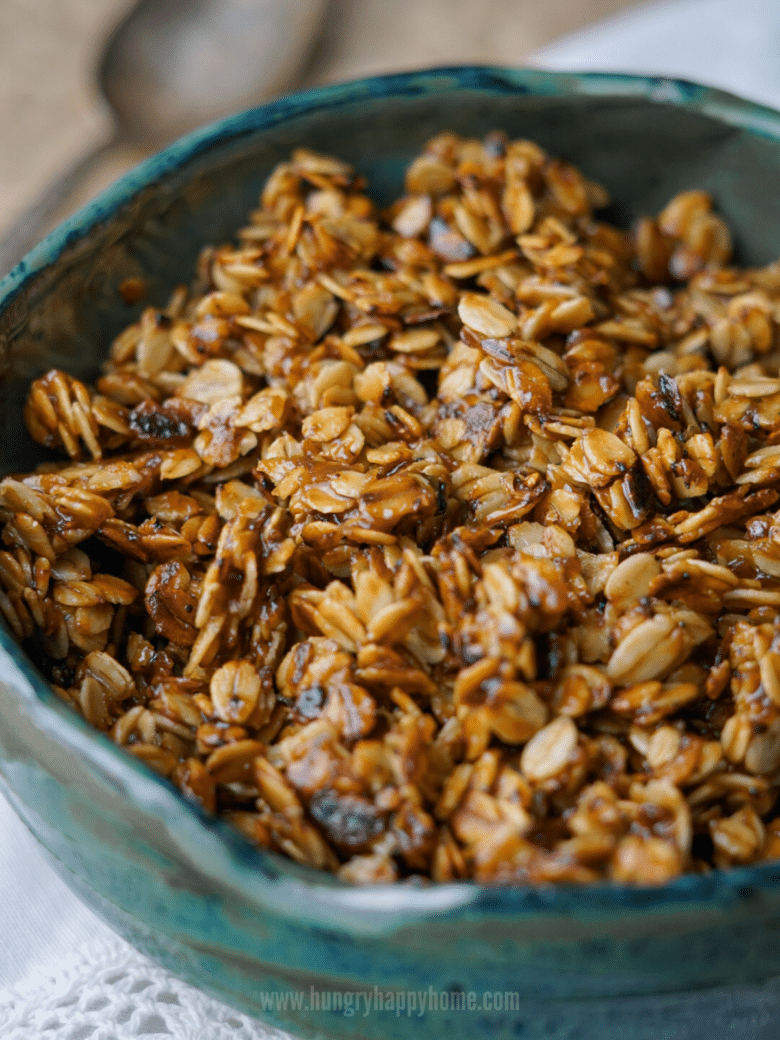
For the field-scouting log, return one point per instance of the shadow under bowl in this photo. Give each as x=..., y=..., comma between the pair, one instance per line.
x=684, y=960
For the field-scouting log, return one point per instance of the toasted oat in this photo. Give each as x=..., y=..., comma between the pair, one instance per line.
x=442, y=541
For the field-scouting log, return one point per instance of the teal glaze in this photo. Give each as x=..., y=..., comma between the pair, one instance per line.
x=187, y=889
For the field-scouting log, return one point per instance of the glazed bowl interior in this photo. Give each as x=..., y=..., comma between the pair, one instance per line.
x=644, y=139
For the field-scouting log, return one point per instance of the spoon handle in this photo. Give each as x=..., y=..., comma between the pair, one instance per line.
x=37, y=220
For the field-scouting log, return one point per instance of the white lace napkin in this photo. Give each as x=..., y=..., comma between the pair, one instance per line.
x=63, y=974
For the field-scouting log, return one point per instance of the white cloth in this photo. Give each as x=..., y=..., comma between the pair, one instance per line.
x=64, y=975
x=731, y=44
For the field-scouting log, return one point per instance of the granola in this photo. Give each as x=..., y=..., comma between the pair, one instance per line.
x=438, y=542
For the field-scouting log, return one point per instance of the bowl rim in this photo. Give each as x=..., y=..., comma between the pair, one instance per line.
x=218, y=851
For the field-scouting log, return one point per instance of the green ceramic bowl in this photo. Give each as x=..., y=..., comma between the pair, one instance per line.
x=285, y=943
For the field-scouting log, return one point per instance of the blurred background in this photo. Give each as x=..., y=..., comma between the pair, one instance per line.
x=52, y=111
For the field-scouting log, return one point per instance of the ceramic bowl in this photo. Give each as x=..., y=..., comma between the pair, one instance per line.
x=284, y=943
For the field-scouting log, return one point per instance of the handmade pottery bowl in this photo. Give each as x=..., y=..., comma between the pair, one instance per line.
x=285, y=943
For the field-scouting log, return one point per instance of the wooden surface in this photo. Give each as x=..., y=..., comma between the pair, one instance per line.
x=50, y=111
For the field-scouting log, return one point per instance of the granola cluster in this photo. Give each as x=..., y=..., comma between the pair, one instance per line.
x=437, y=542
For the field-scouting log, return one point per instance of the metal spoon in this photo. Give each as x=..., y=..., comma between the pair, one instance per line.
x=172, y=65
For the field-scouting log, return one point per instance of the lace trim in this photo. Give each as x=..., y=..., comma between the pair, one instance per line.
x=111, y=992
